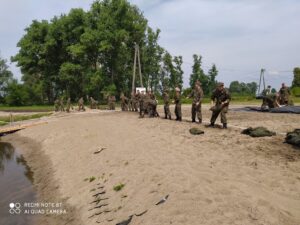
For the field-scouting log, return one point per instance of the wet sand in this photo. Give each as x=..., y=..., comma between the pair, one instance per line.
x=221, y=177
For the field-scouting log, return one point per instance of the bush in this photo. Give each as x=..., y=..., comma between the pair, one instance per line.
x=296, y=91
x=16, y=95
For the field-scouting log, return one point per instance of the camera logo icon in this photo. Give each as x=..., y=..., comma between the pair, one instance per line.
x=14, y=208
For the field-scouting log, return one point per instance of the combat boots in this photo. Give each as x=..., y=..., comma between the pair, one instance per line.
x=224, y=125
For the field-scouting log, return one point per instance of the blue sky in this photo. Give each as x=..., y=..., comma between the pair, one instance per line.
x=239, y=36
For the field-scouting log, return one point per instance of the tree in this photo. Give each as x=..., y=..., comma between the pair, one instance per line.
x=243, y=88
x=151, y=59
x=212, y=74
x=296, y=81
x=198, y=74
x=81, y=53
x=6, y=77
x=16, y=94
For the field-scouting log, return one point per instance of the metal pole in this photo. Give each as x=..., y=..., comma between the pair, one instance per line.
x=134, y=67
x=140, y=69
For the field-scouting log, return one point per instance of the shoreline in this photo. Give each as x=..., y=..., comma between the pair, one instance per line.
x=43, y=181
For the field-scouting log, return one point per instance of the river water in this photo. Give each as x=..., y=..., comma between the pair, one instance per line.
x=16, y=187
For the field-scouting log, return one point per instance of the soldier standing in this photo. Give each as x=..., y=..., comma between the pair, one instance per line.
x=61, y=104
x=197, y=95
x=177, y=100
x=124, y=101
x=136, y=101
x=284, y=95
x=142, y=98
x=166, y=98
x=56, y=105
x=69, y=105
x=81, y=104
x=221, y=98
x=111, y=102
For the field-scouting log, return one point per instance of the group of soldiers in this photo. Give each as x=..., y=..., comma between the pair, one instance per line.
x=275, y=100
x=147, y=103
x=144, y=102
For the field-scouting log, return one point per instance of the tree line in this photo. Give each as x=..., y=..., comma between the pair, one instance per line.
x=91, y=53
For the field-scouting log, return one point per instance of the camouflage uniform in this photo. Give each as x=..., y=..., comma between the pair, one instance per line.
x=177, y=100
x=69, y=105
x=56, y=105
x=81, y=104
x=167, y=104
x=142, y=98
x=93, y=103
x=61, y=105
x=197, y=95
x=284, y=94
x=124, y=101
x=111, y=102
x=271, y=101
x=220, y=96
x=152, y=106
x=136, y=102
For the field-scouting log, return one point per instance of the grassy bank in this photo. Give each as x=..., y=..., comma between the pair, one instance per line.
x=34, y=108
x=6, y=119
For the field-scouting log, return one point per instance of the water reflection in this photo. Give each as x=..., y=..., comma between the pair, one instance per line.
x=16, y=180
x=6, y=153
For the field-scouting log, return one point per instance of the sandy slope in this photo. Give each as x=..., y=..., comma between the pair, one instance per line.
x=222, y=177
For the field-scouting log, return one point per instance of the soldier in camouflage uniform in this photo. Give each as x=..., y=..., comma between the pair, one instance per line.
x=152, y=105
x=56, y=105
x=81, y=104
x=221, y=98
x=111, y=102
x=142, y=98
x=93, y=103
x=166, y=98
x=136, y=101
x=124, y=102
x=197, y=95
x=130, y=102
x=177, y=100
x=284, y=95
x=69, y=105
x=61, y=105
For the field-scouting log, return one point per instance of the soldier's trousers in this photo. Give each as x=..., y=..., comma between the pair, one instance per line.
x=142, y=111
x=167, y=111
x=130, y=105
x=124, y=107
x=81, y=107
x=178, y=111
x=196, y=111
x=112, y=106
x=216, y=113
x=136, y=106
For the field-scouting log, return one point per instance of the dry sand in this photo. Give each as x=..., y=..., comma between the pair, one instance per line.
x=221, y=177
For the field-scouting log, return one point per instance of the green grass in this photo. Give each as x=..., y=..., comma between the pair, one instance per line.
x=119, y=187
x=34, y=108
x=6, y=119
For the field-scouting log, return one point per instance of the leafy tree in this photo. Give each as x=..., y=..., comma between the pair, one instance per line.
x=243, y=88
x=296, y=81
x=212, y=74
x=6, y=77
x=17, y=94
x=198, y=74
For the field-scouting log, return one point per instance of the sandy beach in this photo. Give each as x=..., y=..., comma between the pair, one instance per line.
x=221, y=177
